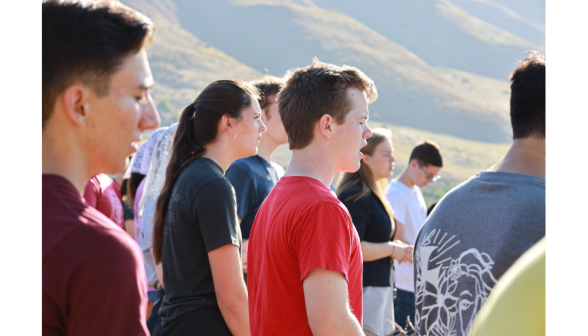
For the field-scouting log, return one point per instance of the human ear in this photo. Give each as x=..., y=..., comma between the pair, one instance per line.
x=75, y=104
x=367, y=159
x=225, y=124
x=324, y=125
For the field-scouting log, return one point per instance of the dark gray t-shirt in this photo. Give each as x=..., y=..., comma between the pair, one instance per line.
x=253, y=178
x=201, y=217
x=474, y=234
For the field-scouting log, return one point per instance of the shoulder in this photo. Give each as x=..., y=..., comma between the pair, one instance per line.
x=241, y=168
x=248, y=163
x=97, y=239
x=352, y=192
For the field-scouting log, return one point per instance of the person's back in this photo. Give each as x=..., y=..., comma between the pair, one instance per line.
x=292, y=235
x=481, y=227
x=473, y=236
x=84, y=251
x=516, y=306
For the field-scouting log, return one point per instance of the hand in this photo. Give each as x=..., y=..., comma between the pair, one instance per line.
x=244, y=250
x=402, y=251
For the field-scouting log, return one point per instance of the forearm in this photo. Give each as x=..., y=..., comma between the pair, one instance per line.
x=130, y=227
x=399, y=231
x=374, y=251
x=235, y=310
x=158, y=270
x=347, y=325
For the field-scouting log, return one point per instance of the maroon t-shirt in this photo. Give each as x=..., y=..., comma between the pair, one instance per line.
x=102, y=194
x=93, y=277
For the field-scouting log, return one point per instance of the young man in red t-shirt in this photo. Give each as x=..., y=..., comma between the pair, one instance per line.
x=305, y=261
x=96, y=102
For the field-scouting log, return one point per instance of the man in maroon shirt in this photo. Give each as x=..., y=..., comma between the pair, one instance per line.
x=96, y=102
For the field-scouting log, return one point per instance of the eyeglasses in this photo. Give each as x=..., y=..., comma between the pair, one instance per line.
x=430, y=177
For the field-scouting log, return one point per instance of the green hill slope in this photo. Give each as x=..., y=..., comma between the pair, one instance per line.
x=444, y=34
x=275, y=35
x=182, y=64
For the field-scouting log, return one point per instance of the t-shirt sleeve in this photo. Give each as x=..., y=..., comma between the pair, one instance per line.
x=398, y=204
x=92, y=192
x=244, y=189
x=324, y=240
x=215, y=212
x=359, y=211
x=109, y=294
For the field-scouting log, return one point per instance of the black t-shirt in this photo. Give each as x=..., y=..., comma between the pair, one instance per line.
x=373, y=225
x=201, y=217
x=253, y=178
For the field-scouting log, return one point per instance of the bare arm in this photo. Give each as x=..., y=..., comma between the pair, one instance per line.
x=130, y=227
x=158, y=270
x=327, y=306
x=400, y=231
x=231, y=294
x=397, y=250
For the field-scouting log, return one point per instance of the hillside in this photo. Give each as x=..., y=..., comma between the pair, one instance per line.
x=444, y=34
x=182, y=64
x=274, y=36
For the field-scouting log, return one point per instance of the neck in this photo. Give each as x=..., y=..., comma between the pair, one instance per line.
x=266, y=148
x=62, y=156
x=525, y=156
x=221, y=154
x=312, y=162
x=405, y=178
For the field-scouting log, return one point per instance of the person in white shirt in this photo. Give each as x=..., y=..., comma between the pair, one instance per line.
x=410, y=213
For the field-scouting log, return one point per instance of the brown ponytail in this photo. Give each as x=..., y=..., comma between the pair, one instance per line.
x=197, y=127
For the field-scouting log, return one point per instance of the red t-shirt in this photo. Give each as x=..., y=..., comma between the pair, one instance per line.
x=93, y=277
x=102, y=194
x=300, y=226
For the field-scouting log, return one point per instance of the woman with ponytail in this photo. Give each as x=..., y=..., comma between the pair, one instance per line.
x=362, y=193
x=196, y=234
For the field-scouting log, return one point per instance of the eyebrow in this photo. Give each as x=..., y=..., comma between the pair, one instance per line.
x=145, y=86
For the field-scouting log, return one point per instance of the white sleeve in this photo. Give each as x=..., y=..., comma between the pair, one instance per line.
x=398, y=204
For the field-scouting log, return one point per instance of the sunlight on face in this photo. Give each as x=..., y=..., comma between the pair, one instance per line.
x=381, y=162
x=248, y=130
x=118, y=118
x=350, y=136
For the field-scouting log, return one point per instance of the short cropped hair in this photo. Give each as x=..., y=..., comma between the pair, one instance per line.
x=267, y=86
x=315, y=90
x=427, y=153
x=527, y=97
x=87, y=42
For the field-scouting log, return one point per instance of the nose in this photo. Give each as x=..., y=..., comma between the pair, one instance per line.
x=149, y=116
x=392, y=158
x=367, y=132
x=262, y=127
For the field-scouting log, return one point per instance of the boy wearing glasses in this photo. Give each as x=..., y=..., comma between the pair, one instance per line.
x=410, y=213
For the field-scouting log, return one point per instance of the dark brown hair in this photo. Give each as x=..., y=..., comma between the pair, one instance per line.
x=268, y=86
x=133, y=183
x=527, y=97
x=87, y=42
x=197, y=127
x=315, y=90
x=427, y=153
x=364, y=175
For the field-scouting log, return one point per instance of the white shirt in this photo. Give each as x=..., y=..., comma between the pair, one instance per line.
x=410, y=209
